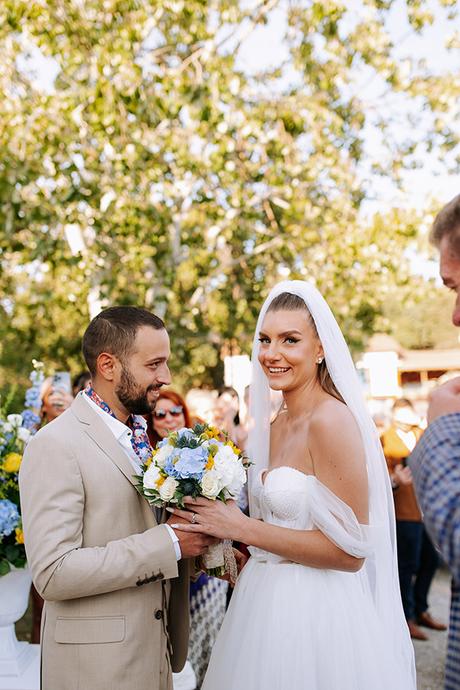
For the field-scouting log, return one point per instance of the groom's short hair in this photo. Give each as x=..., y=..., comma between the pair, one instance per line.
x=114, y=331
x=447, y=224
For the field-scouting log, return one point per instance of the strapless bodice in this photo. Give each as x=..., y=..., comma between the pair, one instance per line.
x=282, y=497
x=289, y=498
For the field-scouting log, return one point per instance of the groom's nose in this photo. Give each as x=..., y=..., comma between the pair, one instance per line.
x=164, y=375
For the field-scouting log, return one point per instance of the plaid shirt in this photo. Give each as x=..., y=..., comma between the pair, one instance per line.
x=435, y=464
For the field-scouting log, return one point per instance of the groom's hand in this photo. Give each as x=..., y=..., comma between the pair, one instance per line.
x=191, y=543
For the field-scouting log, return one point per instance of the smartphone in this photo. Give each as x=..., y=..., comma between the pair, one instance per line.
x=62, y=382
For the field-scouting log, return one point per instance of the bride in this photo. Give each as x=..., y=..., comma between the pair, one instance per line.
x=317, y=607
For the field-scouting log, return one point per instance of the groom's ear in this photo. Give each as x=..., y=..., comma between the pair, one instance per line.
x=106, y=366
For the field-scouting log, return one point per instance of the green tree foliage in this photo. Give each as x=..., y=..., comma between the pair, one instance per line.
x=194, y=184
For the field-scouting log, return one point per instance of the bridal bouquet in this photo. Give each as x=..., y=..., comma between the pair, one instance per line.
x=198, y=462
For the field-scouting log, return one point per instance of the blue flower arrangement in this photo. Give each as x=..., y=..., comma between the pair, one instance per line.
x=33, y=402
x=15, y=431
x=9, y=517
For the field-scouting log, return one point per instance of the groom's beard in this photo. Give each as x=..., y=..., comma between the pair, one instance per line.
x=132, y=397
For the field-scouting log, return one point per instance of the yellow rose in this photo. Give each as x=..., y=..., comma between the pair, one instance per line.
x=235, y=449
x=212, y=432
x=19, y=535
x=12, y=462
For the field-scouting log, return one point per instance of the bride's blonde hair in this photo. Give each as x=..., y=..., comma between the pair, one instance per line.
x=289, y=302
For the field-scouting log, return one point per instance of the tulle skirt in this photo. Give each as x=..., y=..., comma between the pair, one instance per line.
x=289, y=627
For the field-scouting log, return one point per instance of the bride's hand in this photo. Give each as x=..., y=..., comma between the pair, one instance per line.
x=216, y=518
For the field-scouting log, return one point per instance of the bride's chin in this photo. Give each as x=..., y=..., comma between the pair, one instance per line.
x=278, y=385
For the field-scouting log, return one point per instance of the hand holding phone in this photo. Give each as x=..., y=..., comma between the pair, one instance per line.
x=61, y=390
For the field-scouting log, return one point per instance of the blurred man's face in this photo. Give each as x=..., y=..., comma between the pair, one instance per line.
x=450, y=274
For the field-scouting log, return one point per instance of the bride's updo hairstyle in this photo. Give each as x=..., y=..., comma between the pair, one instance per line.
x=287, y=301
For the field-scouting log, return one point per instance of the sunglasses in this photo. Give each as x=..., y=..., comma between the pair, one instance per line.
x=174, y=411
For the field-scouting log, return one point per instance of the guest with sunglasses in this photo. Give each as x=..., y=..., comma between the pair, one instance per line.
x=207, y=594
x=171, y=413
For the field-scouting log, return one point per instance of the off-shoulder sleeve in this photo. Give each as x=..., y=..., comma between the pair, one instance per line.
x=337, y=521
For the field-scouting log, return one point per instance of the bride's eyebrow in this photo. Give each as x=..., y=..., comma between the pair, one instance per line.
x=292, y=332
x=281, y=335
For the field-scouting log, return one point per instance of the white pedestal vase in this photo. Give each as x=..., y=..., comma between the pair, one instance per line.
x=14, y=597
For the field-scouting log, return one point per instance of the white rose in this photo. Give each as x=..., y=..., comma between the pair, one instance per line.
x=163, y=454
x=23, y=434
x=238, y=481
x=7, y=428
x=210, y=484
x=225, y=464
x=14, y=419
x=151, y=477
x=168, y=489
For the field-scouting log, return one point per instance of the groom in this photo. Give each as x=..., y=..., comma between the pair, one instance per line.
x=115, y=583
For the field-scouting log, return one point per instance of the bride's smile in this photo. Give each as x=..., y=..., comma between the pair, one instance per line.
x=289, y=349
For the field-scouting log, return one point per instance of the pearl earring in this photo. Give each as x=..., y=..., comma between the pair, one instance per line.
x=319, y=360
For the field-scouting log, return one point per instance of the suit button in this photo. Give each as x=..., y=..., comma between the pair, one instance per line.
x=159, y=614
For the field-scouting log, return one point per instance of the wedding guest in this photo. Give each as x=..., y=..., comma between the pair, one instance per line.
x=170, y=414
x=80, y=382
x=54, y=402
x=200, y=402
x=207, y=594
x=227, y=416
x=417, y=557
x=435, y=462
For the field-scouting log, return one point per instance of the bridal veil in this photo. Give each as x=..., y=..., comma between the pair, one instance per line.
x=378, y=540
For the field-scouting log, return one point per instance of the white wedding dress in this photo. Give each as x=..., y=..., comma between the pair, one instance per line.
x=292, y=627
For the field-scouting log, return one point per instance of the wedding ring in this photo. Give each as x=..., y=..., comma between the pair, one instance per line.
x=193, y=520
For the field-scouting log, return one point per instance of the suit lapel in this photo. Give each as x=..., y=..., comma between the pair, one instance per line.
x=100, y=433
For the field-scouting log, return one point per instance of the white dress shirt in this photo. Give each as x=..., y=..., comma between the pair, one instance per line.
x=123, y=434
x=408, y=438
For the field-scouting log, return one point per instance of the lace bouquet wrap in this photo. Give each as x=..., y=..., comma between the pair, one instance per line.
x=198, y=462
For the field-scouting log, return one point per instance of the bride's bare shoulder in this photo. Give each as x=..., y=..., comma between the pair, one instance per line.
x=330, y=414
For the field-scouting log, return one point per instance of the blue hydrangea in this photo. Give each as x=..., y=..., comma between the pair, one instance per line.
x=9, y=517
x=170, y=468
x=191, y=462
x=185, y=433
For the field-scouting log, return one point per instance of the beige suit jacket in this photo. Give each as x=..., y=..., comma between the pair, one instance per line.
x=115, y=597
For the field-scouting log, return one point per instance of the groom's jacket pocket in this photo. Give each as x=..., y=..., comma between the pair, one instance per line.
x=94, y=630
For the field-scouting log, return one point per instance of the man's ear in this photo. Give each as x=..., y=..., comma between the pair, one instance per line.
x=106, y=365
